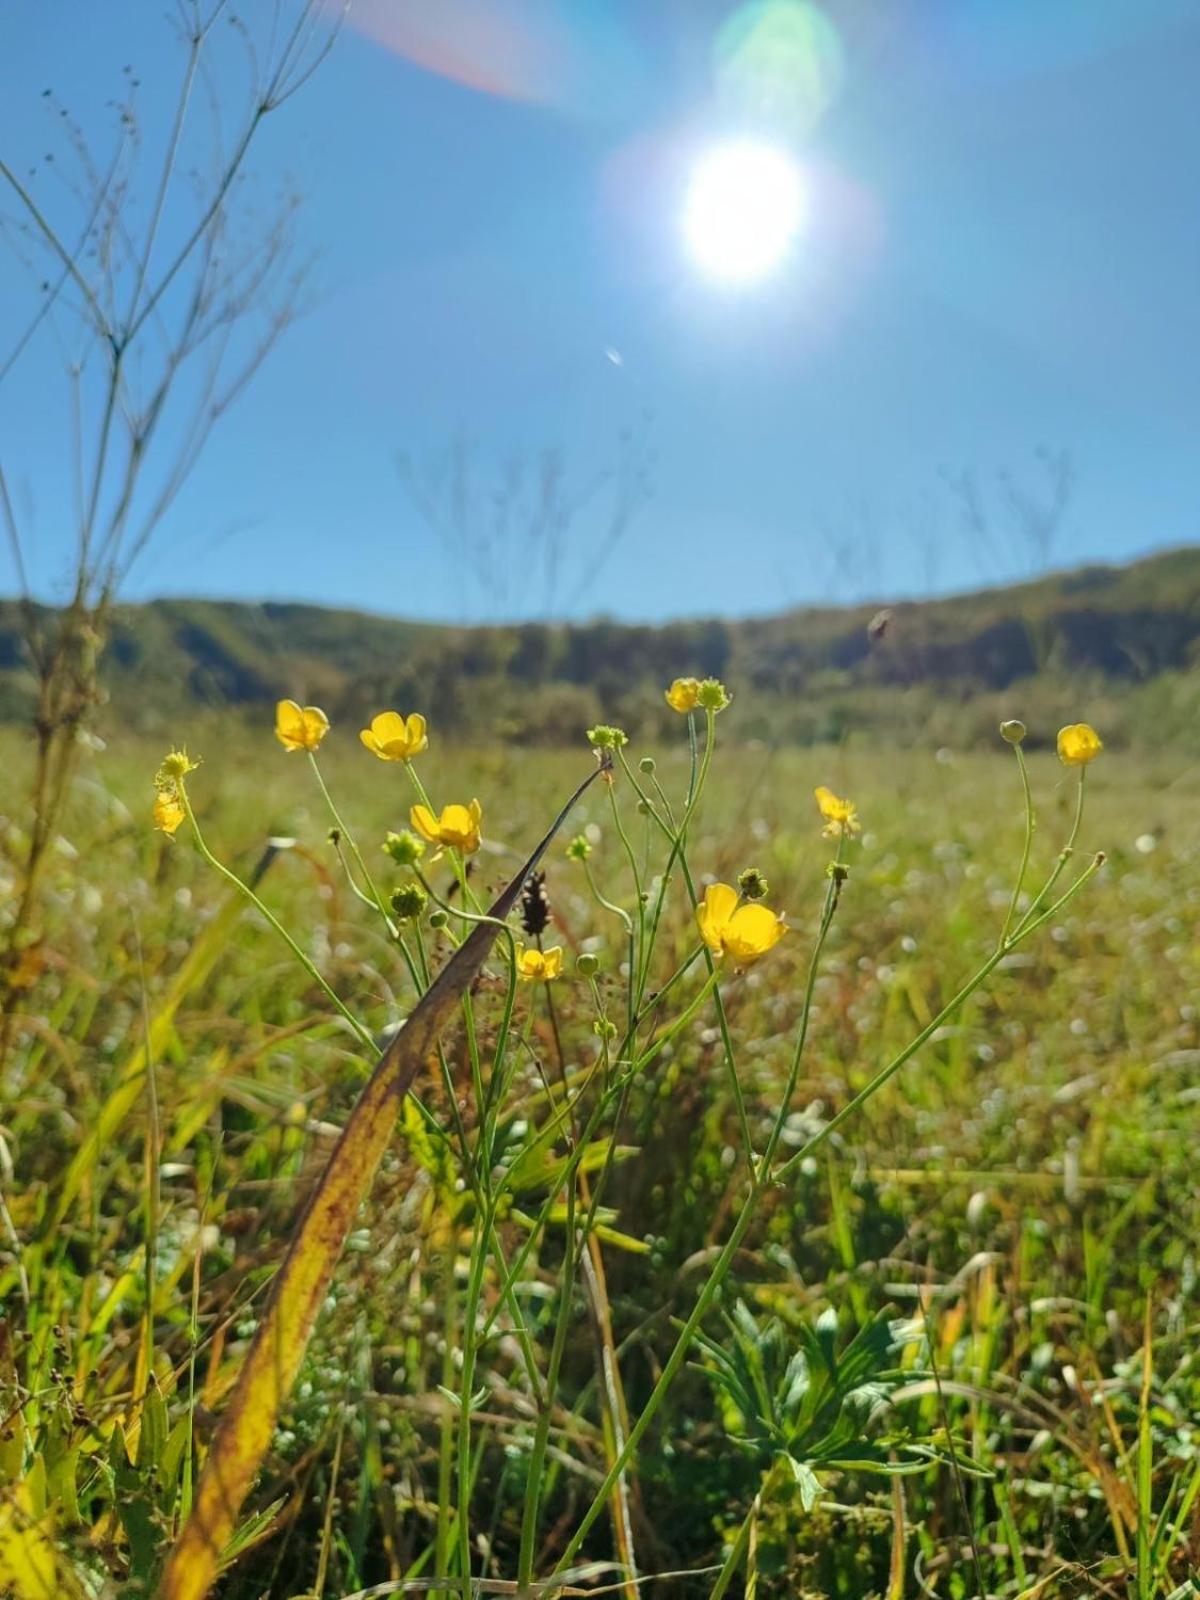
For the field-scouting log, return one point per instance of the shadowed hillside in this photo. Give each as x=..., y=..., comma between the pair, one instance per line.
x=1126, y=638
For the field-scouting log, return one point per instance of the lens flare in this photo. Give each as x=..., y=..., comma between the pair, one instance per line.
x=745, y=205
x=778, y=66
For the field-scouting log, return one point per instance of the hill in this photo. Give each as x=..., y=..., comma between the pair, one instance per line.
x=1119, y=644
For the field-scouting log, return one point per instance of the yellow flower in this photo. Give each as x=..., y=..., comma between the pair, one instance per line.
x=840, y=815
x=176, y=764
x=168, y=811
x=1078, y=743
x=539, y=966
x=457, y=827
x=744, y=932
x=683, y=695
x=299, y=727
x=392, y=737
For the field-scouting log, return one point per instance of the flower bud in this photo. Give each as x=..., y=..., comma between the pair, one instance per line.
x=409, y=901
x=438, y=918
x=587, y=965
x=646, y=764
x=605, y=738
x=579, y=849
x=404, y=848
x=1012, y=731
x=712, y=695
x=752, y=884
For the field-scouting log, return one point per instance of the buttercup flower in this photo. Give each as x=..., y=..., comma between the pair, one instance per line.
x=392, y=737
x=684, y=695
x=457, y=827
x=176, y=764
x=539, y=966
x=1078, y=743
x=299, y=727
x=840, y=815
x=744, y=932
x=168, y=811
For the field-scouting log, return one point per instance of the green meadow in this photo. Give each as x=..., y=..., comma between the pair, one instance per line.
x=952, y=1351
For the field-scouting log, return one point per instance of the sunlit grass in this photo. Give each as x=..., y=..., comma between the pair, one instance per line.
x=1025, y=1183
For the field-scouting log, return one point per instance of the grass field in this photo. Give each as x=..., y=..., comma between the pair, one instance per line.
x=1021, y=1195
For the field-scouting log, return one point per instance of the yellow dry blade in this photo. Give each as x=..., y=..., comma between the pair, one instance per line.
x=278, y=1347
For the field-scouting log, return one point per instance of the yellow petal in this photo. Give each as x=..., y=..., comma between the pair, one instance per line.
x=424, y=821
x=752, y=931
x=315, y=725
x=1078, y=743
x=552, y=963
x=415, y=734
x=289, y=724
x=713, y=914
x=683, y=694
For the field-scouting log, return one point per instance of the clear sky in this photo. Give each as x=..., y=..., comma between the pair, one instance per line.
x=999, y=253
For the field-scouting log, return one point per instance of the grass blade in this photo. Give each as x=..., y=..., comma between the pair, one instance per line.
x=278, y=1347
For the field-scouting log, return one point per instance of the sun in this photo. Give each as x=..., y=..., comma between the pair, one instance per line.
x=745, y=205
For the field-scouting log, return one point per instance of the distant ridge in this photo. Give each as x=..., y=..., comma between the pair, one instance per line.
x=1113, y=633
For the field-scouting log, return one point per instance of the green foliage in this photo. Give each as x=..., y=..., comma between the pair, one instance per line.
x=947, y=670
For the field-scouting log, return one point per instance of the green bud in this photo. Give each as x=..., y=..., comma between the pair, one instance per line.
x=409, y=901
x=1012, y=731
x=579, y=849
x=404, y=848
x=438, y=918
x=604, y=1029
x=605, y=738
x=752, y=884
x=712, y=695
x=587, y=965
x=646, y=764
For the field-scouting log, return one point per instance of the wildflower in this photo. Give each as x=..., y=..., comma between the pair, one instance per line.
x=409, y=901
x=404, y=848
x=579, y=848
x=539, y=966
x=752, y=884
x=1078, y=743
x=392, y=737
x=605, y=738
x=299, y=727
x=1012, y=731
x=712, y=695
x=176, y=764
x=840, y=816
x=457, y=828
x=727, y=928
x=168, y=811
x=684, y=695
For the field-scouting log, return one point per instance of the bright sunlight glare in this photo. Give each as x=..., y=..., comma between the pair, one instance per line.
x=744, y=207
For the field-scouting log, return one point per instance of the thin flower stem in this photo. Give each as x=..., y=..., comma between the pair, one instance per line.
x=1027, y=846
x=1064, y=856
x=244, y=889
x=926, y=1033
x=345, y=833
x=763, y=1178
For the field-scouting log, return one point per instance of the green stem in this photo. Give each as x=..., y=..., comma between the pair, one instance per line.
x=244, y=889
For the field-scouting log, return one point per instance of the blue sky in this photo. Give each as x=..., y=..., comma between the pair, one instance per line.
x=1001, y=254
